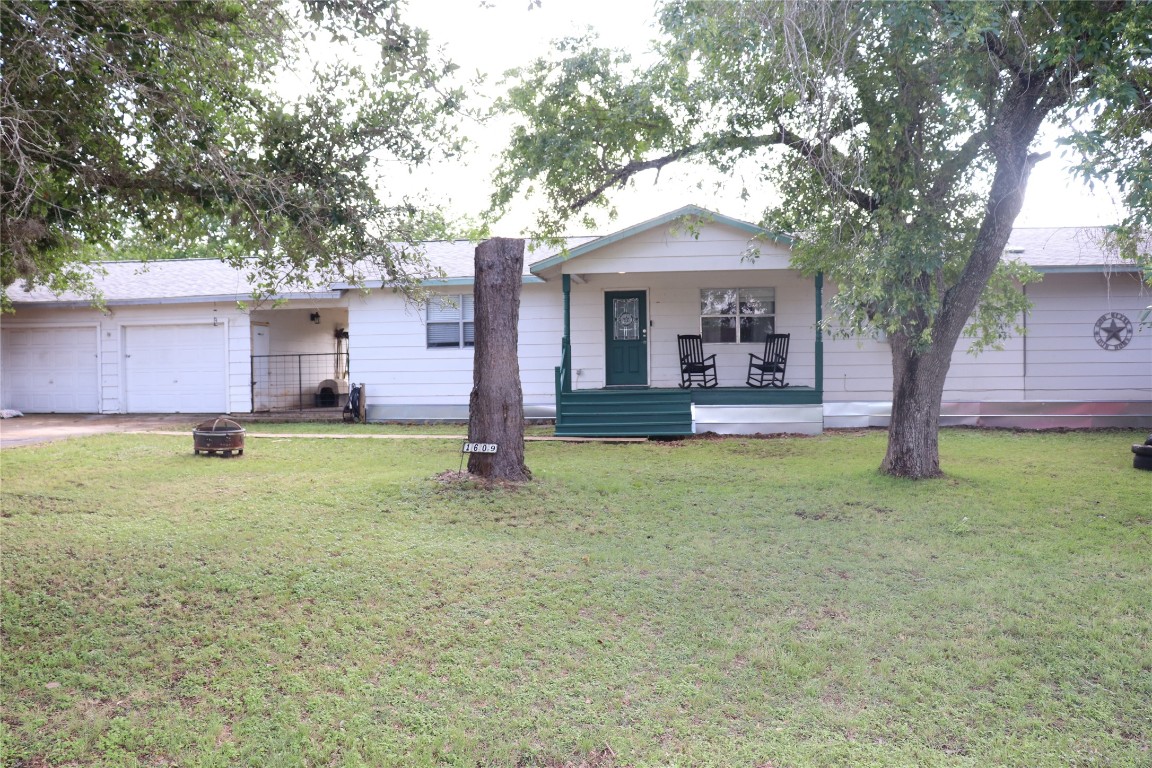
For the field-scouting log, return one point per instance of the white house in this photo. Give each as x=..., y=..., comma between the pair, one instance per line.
x=599, y=323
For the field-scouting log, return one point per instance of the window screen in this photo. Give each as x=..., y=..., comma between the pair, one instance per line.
x=737, y=315
x=451, y=321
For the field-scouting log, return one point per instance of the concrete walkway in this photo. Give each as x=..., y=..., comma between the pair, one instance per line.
x=407, y=436
x=43, y=428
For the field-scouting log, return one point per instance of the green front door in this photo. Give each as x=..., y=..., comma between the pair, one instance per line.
x=626, y=339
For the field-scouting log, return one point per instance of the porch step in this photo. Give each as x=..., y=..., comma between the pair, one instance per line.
x=624, y=413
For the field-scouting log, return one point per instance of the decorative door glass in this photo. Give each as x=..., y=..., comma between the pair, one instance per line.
x=625, y=319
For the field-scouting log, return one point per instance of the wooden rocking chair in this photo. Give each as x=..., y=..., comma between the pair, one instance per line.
x=695, y=368
x=768, y=370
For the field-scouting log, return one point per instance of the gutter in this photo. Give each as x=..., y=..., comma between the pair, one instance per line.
x=148, y=302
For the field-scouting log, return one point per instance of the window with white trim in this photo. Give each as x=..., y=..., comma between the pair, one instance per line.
x=737, y=315
x=451, y=321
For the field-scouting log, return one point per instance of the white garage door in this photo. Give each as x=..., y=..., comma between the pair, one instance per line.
x=175, y=369
x=50, y=370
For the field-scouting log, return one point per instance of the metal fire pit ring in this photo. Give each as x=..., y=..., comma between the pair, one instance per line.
x=218, y=437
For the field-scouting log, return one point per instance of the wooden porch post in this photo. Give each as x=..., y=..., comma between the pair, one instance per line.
x=566, y=283
x=566, y=351
x=820, y=335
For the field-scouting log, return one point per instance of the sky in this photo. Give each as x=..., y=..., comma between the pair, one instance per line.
x=492, y=36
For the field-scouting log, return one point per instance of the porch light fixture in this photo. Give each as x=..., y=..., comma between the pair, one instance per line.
x=315, y=318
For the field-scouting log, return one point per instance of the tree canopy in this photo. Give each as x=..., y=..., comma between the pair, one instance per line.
x=899, y=137
x=166, y=122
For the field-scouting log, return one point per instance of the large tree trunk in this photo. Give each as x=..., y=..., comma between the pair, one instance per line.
x=496, y=407
x=913, y=431
x=918, y=374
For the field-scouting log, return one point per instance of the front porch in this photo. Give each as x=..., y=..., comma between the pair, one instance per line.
x=633, y=302
x=653, y=408
x=675, y=412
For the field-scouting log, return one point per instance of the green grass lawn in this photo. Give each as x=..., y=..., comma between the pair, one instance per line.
x=734, y=602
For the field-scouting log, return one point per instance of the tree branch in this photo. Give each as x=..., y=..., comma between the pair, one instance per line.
x=995, y=46
x=955, y=165
x=817, y=157
x=622, y=174
x=814, y=154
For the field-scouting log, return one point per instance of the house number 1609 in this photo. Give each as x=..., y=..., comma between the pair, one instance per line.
x=479, y=448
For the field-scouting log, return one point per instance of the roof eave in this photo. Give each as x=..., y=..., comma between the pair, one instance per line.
x=452, y=281
x=153, y=301
x=431, y=282
x=1085, y=268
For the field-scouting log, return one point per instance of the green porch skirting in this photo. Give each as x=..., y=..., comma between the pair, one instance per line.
x=674, y=412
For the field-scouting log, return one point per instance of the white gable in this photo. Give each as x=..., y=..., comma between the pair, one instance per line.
x=676, y=247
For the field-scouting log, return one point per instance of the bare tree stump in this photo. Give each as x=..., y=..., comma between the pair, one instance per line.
x=496, y=407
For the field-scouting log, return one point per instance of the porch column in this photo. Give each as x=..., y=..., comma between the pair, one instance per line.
x=820, y=335
x=566, y=283
x=566, y=343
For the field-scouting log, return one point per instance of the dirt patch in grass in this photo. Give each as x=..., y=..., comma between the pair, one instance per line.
x=754, y=436
x=466, y=480
x=602, y=758
x=41, y=504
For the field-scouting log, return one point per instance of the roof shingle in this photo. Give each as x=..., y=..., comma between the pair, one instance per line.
x=134, y=282
x=1040, y=247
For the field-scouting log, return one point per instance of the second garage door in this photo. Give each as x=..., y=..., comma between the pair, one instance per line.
x=50, y=370
x=175, y=369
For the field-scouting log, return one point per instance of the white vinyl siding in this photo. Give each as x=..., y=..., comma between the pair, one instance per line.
x=1063, y=360
x=390, y=352
x=1058, y=358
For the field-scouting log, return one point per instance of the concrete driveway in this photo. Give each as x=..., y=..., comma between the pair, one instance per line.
x=42, y=428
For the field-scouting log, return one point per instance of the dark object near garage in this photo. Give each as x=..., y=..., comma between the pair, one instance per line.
x=354, y=408
x=1142, y=458
x=222, y=437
